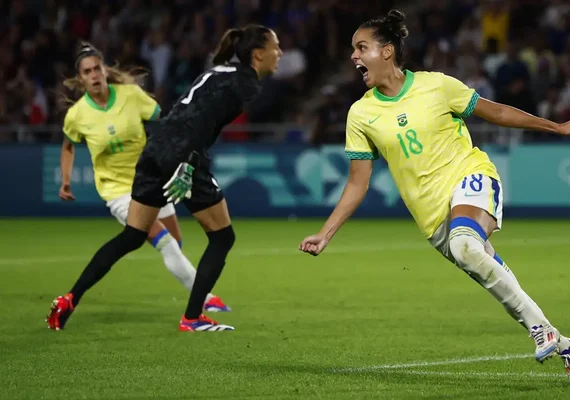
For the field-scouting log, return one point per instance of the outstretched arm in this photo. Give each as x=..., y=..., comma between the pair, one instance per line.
x=503, y=115
x=352, y=196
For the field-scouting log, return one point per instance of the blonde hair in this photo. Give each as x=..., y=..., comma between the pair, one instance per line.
x=115, y=75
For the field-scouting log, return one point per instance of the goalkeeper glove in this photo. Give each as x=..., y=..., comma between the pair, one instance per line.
x=180, y=185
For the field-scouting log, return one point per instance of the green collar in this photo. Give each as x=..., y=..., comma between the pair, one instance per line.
x=110, y=101
x=407, y=85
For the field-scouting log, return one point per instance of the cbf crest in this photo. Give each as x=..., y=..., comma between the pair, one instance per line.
x=111, y=129
x=402, y=119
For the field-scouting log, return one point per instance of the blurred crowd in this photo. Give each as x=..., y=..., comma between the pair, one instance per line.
x=515, y=52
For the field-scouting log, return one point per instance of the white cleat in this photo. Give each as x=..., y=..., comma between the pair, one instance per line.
x=546, y=338
x=564, y=353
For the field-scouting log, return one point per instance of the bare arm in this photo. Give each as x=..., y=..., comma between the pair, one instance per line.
x=352, y=196
x=503, y=115
x=66, y=166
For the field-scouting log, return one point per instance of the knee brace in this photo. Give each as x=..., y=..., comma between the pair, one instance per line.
x=132, y=238
x=467, y=245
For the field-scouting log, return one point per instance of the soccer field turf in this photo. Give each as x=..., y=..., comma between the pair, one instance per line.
x=379, y=315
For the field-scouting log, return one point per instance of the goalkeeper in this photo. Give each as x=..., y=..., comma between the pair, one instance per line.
x=178, y=143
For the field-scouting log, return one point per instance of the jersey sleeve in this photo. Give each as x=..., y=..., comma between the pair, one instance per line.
x=148, y=107
x=460, y=98
x=358, y=145
x=69, y=127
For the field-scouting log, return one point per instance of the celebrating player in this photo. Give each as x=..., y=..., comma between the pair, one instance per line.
x=109, y=118
x=452, y=189
x=175, y=159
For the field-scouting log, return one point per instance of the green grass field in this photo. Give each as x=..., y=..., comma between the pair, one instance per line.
x=379, y=315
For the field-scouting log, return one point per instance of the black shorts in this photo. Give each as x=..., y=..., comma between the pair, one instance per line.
x=153, y=171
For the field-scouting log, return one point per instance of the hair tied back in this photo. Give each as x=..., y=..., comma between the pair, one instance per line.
x=394, y=23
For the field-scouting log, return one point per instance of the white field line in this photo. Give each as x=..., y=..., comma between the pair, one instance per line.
x=410, y=368
x=288, y=251
x=525, y=375
x=452, y=361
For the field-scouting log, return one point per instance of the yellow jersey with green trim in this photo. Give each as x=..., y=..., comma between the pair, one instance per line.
x=114, y=135
x=424, y=140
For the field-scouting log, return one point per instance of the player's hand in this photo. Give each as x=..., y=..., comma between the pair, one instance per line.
x=65, y=193
x=180, y=185
x=314, y=244
x=564, y=129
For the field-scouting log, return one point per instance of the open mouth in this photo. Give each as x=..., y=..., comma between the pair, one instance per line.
x=363, y=70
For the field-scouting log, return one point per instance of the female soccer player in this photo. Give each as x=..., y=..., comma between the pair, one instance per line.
x=109, y=118
x=451, y=188
x=175, y=158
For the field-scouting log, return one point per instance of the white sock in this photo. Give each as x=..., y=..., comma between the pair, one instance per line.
x=517, y=317
x=175, y=261
x=564, y=343
x=467, y=248
x=505, y=288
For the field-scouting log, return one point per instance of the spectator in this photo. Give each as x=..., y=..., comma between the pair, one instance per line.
x=511, y=70
x=105, y=30
x=565, y=92
x=158, y=52
x=183, y=69
x=480, y=81
x=467, y=60
x=331, y=118
x=129, y=59
x=80, y=25
x=470, y=32
x=54, y=16
x=535, y=50
x=555, y=15
x=495, y=22
x=492, y=58
x=292, y=64
x=133, y=16
x=551, y=107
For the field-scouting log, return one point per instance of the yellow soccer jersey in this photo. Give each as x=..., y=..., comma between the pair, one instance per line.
x=114, y=135
x=423, y=138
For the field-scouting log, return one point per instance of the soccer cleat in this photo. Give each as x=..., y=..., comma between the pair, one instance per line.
x=215, y=304
x=564, y=353
x=546, y=338
x=202, y=324
x=61, y=309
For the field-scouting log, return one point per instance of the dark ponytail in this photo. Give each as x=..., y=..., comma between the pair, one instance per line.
x=389, y=29
x=241, y=43
x=226, y=47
